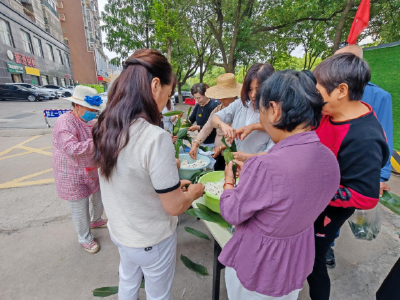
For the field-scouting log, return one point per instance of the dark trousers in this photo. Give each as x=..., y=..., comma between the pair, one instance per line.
x=390, y=289
x=325, y=227
x=220, y=163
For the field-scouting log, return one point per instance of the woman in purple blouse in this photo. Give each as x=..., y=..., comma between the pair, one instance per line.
x=280, y=194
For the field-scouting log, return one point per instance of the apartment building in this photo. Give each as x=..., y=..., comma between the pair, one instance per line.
x=80, y=22
x=28, y=52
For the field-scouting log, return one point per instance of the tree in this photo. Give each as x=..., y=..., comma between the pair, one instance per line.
x=129, y=26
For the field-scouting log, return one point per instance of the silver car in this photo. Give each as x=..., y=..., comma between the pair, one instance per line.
x=50, y=95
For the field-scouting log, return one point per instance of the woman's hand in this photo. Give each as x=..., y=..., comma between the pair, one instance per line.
x=229, y=178
x=217, y=152
x=194, y=128
x=228, y=131
x=241, y=156
x=196, y=190
x=239, y=167
x=243, y=132
x=193, y=150
x=174, y=138
x=383, y=187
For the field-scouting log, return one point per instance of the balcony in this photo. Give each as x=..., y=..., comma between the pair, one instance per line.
x=26, y=2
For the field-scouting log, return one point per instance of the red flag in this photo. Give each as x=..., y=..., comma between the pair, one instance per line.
x=360, y=21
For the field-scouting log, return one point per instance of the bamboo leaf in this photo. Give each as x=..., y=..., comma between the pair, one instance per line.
x=197, y=233
x=182, y=133
x=172, y=113
x=177, y=145
x=177, y=126
x=226, y=145
x=216, y=216
x=105, y=291
x=193, y=266
x=188, y=115
x=209, y=216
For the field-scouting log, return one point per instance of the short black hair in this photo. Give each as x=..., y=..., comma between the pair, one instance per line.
x=297, y=96
x=344, y=68
x=258, y=71
x=199, y=88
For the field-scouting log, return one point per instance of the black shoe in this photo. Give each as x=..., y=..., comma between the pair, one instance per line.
x=330, y=259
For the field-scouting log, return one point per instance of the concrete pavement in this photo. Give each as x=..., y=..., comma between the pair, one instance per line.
x=41, y=258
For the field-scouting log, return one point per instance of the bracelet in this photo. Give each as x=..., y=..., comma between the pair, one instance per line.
x=228, y=183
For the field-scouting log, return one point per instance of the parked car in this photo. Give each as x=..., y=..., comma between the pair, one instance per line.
x=8, y=91
x=50, y=94
x=184, y=96
x=103, y=97
x=70, y=87
x=63, y=92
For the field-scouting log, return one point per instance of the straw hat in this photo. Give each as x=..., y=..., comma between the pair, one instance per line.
x=226, y=87
x=87, y=97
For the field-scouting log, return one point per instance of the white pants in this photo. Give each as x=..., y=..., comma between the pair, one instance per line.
x=82, y=215
x=156, y=263
x=236, y=291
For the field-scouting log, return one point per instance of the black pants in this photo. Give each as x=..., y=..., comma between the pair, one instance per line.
x=390, y=289
x=220, y=163
x=325, y=227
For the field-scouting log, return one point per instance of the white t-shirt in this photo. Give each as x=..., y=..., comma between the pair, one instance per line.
x=145, y=168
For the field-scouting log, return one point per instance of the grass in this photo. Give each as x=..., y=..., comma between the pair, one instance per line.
x=385, y=68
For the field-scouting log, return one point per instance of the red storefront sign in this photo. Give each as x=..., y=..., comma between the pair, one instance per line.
x=100, y=78
x=24, y=60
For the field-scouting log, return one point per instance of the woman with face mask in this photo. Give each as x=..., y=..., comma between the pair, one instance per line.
x=75, y=177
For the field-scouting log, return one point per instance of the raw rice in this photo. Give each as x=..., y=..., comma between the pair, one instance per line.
x=215, y=188
x=196, y=164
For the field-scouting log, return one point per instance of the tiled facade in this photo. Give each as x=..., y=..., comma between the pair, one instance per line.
x=32, y=64
x=80, y=22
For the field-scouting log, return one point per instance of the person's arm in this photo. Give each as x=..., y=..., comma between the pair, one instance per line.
x=385, y=117
x=161, y=164
x=242, y=202
x=241, y=156
x=207, y=129
x=244, y=131
x=360, y=166
x=66, y=137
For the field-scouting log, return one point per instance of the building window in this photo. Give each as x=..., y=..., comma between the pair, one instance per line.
x=26, y=39
x=60, y=60
x=61, y=17
x=45, y=79
x=60, y=4
x=37, y=44
x=5, y=33
x=50, y=52
x=67, y=60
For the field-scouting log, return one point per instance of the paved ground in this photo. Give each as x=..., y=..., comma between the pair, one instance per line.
x=41, y=258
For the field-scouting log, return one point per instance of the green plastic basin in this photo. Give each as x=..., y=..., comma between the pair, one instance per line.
x=212, y=201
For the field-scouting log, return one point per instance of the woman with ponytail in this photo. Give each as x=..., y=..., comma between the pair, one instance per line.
x=139, y=181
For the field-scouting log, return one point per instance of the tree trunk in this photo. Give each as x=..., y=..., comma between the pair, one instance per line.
x=230, y=67
x=147, y=37
x=201, y=72
x=169, y=56
x=179, y=85
x=342, y=22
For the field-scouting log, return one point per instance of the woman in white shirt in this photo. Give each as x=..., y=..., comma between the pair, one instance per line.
x=138, y=175
x=251, y=138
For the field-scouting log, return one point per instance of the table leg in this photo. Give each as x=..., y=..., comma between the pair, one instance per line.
x=216, y=271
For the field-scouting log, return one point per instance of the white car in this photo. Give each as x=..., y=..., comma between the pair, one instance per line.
x=62, y=92
x=50, y=94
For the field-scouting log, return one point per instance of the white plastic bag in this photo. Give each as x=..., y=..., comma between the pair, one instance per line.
x=366, y=224
x=208, y=154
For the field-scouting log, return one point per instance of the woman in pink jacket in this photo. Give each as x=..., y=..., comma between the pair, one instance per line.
x=75, y=177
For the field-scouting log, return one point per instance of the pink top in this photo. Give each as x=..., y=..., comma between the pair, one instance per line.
x=73, y=148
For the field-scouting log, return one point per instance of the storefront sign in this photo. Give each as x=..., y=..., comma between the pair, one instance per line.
x=54, y=113
x=100, y=78
x=32, y=71
x=25, y=60
x=15, y=68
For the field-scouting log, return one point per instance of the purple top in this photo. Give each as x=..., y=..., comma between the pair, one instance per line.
x=274, y=206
